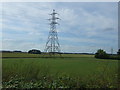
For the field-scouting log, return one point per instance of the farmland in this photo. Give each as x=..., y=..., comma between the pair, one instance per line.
x=84, y=69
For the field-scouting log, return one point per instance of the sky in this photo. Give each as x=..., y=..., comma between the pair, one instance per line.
x=84, y=27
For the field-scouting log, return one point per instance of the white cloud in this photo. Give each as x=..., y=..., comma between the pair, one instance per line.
x=10, y=45
x=86, y=40
x=28, y=20
x=90, y=21
x=86, y=49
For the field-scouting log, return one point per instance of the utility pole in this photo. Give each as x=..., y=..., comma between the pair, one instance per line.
x=111, y=51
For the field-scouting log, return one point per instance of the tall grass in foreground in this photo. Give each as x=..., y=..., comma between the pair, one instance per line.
x=37, y=74
x=61, y=81
x=29, y=70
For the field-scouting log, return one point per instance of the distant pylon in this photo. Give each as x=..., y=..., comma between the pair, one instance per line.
x=111, y=51
x=52, y=44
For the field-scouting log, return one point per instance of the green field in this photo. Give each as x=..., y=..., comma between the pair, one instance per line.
x=85, y=67
x=10, y=55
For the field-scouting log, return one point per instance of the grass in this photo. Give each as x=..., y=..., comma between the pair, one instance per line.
x=7, y=55
x=88, y=69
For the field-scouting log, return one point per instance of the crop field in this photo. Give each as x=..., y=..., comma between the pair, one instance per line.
x=84, y=69
x=10, y=55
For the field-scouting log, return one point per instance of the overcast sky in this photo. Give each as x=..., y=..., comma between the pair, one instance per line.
x=84, y=27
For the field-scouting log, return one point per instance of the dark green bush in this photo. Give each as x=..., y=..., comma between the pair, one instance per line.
x=118, y=52
x=101, y=54
x=117, y=57
x=34, y=51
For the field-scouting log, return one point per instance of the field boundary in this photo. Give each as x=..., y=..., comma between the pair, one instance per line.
x=43, y=57
x=53, y=57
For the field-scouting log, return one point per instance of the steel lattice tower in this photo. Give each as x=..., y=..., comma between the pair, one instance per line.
x=52, y=44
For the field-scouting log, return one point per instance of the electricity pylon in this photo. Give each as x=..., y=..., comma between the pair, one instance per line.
x=52, y=44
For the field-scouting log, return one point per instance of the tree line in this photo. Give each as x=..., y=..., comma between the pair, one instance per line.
x=103, y=55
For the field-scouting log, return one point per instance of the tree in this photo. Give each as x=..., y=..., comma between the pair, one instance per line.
x=101, y=54
x=34, y=51
x=118, y=52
